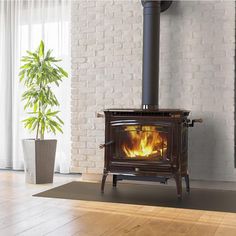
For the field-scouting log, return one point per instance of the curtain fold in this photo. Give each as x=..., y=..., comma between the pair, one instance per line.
x=23, y=23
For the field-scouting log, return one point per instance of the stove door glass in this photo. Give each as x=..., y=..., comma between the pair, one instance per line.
x=142, y=142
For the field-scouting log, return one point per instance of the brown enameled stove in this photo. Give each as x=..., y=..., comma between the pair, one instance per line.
x=148, y=144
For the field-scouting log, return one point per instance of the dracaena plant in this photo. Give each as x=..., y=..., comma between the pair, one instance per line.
x=39, y=72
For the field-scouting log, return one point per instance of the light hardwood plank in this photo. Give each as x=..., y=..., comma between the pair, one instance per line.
x=22, y=214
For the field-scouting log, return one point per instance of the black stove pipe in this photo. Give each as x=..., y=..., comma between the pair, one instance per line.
x=151, y=45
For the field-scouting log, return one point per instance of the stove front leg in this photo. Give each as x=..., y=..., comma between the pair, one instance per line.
x=105, y=173
x=178, y=180
x=114, y=182
x=186, y=177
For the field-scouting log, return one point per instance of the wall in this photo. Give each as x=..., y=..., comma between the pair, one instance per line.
x=197, y=73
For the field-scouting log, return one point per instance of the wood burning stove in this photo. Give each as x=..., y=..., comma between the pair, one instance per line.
x=149, y=143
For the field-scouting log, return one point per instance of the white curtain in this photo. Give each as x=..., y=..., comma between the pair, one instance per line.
x=23, y=23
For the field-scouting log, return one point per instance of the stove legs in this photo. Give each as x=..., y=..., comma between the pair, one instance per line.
x=186, y=177
x=177, y=177
x=114, y=182
x=178, y=180
x=103, y=181
x=104, y=177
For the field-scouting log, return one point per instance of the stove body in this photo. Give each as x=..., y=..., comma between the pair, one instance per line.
x=164, y=134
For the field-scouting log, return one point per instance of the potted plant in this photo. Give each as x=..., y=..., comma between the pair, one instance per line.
x=39, y=72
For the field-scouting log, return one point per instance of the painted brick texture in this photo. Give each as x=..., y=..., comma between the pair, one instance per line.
x=196, y=73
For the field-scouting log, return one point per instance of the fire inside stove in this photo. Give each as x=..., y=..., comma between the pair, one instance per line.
x=144, y=142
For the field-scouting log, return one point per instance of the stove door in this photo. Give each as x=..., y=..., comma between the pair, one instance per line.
x=135, y=140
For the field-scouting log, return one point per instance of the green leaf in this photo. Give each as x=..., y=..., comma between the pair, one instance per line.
x=62, y=71
x=51, y=127
x=52, y=59
x=48, y=54
x=22, y=77
x=41, y=49
x=52, y=113
x=60, y=120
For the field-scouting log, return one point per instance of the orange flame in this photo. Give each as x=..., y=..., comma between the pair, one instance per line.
x=145, y=141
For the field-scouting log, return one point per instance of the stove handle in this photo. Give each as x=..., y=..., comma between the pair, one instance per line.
x=100, y=115
x=101, y=146
x=193, y=122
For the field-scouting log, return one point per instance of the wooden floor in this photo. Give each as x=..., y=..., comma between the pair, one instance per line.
x=22, y=214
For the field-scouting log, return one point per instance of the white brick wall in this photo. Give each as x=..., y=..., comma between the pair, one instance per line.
x=197, y=73
x=197, y=43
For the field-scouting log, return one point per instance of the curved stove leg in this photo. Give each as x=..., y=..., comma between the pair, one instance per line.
x=114, y=182
x=178, y=180
x=103, y=181
x=186, y=177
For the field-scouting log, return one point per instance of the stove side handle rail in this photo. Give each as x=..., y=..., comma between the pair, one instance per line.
x=100, y=115
x=190, y=123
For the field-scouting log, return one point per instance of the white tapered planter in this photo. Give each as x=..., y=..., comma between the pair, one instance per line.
x=39, y=157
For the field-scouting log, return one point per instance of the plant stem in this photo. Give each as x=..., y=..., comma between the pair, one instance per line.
x=37, y=132
x=38, y=125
